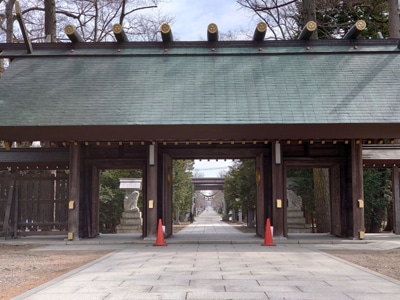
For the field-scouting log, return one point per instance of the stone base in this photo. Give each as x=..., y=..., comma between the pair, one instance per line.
x=131, y=222
x=296, y=221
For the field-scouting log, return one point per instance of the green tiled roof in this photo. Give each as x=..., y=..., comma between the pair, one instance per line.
x=243, y=85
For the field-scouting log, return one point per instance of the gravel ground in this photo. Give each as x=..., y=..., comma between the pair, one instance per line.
x=386, y=262
x=22, y=269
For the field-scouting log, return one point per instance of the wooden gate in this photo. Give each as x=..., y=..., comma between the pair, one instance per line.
x=34, y=203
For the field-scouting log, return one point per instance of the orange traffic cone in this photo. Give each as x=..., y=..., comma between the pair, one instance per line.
x=268, y=235
x=160, y=235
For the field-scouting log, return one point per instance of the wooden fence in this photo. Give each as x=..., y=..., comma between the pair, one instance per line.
x=34, y=203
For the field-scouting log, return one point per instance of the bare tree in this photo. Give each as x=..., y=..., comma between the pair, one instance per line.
x=92, y=18
x=279, y=15
x=6, y=26
x=7, y=20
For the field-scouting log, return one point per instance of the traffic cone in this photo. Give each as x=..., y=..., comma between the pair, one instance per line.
x=160, y=235
x=268, y=235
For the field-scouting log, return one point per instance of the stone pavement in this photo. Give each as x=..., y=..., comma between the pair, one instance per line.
x=198, y=265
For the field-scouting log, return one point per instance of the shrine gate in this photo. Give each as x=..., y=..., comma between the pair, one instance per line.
x=303, y=103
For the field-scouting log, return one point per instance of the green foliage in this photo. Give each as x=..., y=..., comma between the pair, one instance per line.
x=240, y=183
x=377, y=197
x=183, y=191
x=112, y=198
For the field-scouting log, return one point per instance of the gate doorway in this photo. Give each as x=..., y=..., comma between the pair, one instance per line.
x=208, y=193
x=312, y=200
x=114, y=214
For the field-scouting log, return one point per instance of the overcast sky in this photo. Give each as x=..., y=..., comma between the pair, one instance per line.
x=191, y=17
x=211, y=168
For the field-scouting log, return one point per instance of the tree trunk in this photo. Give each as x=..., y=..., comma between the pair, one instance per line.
x=322, y=200
x=50, y=27
x=309, y=14
x=389, y=214
x=10, y=21
x=9, y=29
x=394, y=19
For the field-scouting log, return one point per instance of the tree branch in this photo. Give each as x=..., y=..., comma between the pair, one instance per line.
x=140, y=8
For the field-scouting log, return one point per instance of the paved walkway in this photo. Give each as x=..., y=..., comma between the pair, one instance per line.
x=221, y=270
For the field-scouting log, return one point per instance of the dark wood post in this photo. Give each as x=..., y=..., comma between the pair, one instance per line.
x=152, y=186
x=21, y=22
x=167, y=194
x=336, y=215
x=260, y=185
x=95, y=203
x=357, y=190
x=278, y=192
x=7, y=214
x=396, y=199
x=74, y=191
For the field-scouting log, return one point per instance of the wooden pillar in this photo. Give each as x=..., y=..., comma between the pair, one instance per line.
x=95, y=203
x=152, y=187
x=396, y=200
x=336, y=207
x=74, y=191
x=278, y=192
x=357, y=190
x=260, y=185
x=167, y=194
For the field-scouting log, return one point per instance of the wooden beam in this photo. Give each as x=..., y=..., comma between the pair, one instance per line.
x=259, y=32
x=74, y=36
x=74, y=191
x=27, y=41
x=151, y=202
x=212, y=32
x=357, y=190
x=308, y=30
x=260, y=196
x=396, y=199
x=119, y=33
x=7, y=213
x=16, y=209
x=355, y=30
x=167, y=193
x=278, y=193
x=166, y=33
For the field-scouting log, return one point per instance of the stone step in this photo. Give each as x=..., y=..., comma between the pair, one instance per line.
x=294, y=213
x=131, y=215
x=299, y=230
x=296, y=221
x=129, y=229
x=131, y=222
